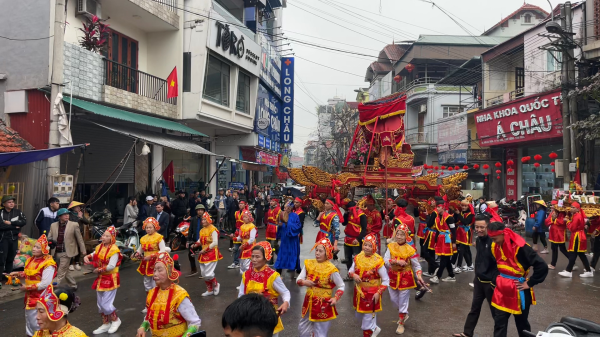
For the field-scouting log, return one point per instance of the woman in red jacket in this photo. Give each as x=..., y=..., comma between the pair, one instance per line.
x=577, y=242
x=557, y=226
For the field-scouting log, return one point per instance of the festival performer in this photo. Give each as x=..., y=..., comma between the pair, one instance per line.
x=247, y=238
x=492, y=210
x=265, y=281
x=513, y=294
x=289, y=233
x=236, y=244
x=371, y=278
x=170, y=313
x=374, y=221
x=209, y=255
x=40, y=269
x=402, y=261
x=423, y=231
x=52, y=308
x=272, y=223
x=388, y=227
x=106, y=260
x=320, y=276
x=150, y=245
x=355, y=221
x=401, y=217
x=301, y=214
x=445, y=242
x=557, y=227
x=595, y=236
x=329, y=223
x=577, y=242
x=464, y=219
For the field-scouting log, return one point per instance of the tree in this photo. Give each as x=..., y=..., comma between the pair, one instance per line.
x=95, y=34
x=588, y=128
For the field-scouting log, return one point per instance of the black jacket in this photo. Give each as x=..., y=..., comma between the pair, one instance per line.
x=179, y=207
x=146, y=211
x=16, y=218
x=194, y=223
x=485, y=264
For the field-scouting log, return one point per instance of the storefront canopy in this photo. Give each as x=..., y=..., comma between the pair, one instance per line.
x=173, y=142
x=25, y=157
x=129, y=116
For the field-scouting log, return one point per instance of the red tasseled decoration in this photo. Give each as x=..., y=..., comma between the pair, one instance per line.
x=498, y=164
x=456, y=167
x=450, y=168
x=425, y=166
x=486, y=174
x=486, y=166
x=537, y=157
x=476, y=166
x=498, y=171
x=536, y=164
x=553, y=155
x=510, y=162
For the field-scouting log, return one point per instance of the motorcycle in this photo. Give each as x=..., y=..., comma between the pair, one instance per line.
x=569, y=327
x=128, y=239
x=181, y=233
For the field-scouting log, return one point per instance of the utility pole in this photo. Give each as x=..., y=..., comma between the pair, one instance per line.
x=57, y=82
x=566, y=82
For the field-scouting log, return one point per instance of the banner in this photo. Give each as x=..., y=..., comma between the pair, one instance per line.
x=287, y=86
x=453, y=133
x=267, y=121
x=511, y=177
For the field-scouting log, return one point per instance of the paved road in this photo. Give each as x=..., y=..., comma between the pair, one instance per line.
x=437, y=314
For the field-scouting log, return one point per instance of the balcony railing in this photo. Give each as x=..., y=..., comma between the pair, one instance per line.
x=417, y=138
x=129, y=79
x=494, y=100
x=517, y=94
x=170, y=4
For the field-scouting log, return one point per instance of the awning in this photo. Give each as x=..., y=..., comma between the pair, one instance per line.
x=254, y=167
x=25, y=157
x=128, y=116
x=173, y=142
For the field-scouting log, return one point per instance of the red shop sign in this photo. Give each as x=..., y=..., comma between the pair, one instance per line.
x=530, y=118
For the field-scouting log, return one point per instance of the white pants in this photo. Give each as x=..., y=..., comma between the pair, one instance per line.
x=149, y=283
x=306, y=328
x=400, y=299
x=105, y=301
x=31, y=325
x=244, y=265
x=208, y=270
x=368, y=321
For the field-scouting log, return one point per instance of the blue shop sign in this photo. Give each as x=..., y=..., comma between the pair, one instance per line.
x=267, y=120
x=287, y=88
x=453, y=157
x=268, y=143
x=261, y=140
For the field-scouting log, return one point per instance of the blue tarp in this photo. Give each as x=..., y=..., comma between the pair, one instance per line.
x=24, y=157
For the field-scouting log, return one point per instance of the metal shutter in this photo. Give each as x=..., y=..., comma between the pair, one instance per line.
x=106, y=150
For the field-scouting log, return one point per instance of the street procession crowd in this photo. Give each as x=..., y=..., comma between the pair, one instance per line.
x=380, y=250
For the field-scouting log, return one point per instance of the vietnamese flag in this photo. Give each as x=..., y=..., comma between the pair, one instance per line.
x=172, y=87
x=169, y=177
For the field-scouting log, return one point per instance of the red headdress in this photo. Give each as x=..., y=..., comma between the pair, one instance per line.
x=207, y=217
x=327, y=245
x=249, y=214
x=336, y=209
x=43, y=241
x=493, y=211
x=165, y=258
x=113, y=234
x=370, y=238
x=298, y=200
x=51, y=303
x=578, y=206
x=152, y=221
x=245, y=203
x=511, y=241
x=369, y=200
x=275, y=199
x=267, y=248
x=405, y=229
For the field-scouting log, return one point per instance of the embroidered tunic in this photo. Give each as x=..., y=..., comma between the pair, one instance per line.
x=375, y=280
x=34, y=270
x=247, y=240
x=207, y=239
x=164, y=318
x=150, y=245
x=272, y=220
x=578, y=240
x=401, y=278
x=316, y=301
x=66, y=331
x=107, y=280
x=557, y=228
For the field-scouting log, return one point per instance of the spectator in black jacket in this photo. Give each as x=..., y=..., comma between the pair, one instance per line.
x=147, y=210
x=194, y=235
x=231, y=209
x=12, y=220
x=193, y=200
x=179, y=207
x=47, y=215
x=204, y=199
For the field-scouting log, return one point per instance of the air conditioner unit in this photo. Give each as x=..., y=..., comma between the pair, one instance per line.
x=558, y=168
x=423, y=108
x=88, y=7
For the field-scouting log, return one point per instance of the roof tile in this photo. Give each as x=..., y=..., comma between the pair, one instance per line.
x=11, y=141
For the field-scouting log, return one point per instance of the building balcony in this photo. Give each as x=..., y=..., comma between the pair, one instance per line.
x=93, y=77
x=505, y=98
x=147, y=15
x=494, y=101
x=417, y=138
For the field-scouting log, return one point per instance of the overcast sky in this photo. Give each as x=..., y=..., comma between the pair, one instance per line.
x=365, y=27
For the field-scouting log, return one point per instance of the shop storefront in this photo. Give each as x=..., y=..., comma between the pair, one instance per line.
x=529, y=131
x=190, y=170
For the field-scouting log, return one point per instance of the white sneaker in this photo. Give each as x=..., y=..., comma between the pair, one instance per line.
x=457, y=270
x=208, y=293
x=217, y=289
x=231, y=266
x=465, y=268
x=238, y=287
x=587, y=274
x=72, y=268
x=231, y=249
x=77, y=266
x=102, y=329
x=545, y=251
x=449, y=279
x=376, y=332
x=434, y=279
x=114, y=326
x=145, y=310
x=470, y=268
x=565, y=273
x=471, y=285
x=426, y=274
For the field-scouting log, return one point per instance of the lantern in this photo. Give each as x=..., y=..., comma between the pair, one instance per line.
x=429, y=171
x=537, y=157
x=456, y=167
x=498, y=164
x=449, y=168
x=486, y=166
x=436, y=168
x=486, y=179
x=524, y=160
x=409, y=67
x=510, y=162
x=552, y=164
x=509, y=170
x=553, y=155
x=476, y=166
x=425, y=166
x=486, y=174
x=552, y=170
x=465, y=167
x=397, y=78
x=443, y=167
x=498, y=171
x=536, y=164
x=498, y=177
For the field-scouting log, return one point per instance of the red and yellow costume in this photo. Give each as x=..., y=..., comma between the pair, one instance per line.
x=246, y=247
x=66, y=331
x=150, y=246
x=388, y=228
x=443, y=244
x=578, y=240
x=206, y=238
x=325, y=225
x=34, y=268
x=422, y=231
x=56, y=311
x=353, y=228
x=557, y=228
x=238, y=220
x=374, y=221
x=262, y=282
x=366, y=268
x=464, y=231
x=272, y=221
x=106, y=280
x=402, y=278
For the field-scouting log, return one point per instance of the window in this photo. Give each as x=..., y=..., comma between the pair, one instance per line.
x=451, y=110
x=242, y=102
x=527, y=18
x=122, y=52
x=216, y=81
x=553, y=61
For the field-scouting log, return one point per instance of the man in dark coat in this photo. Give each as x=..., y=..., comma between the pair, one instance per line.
x=11, y=222
x=194, y=235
